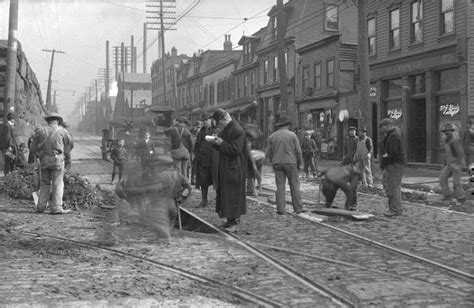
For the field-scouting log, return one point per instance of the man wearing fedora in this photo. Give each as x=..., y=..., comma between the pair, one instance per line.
x=49, y=145
x=350, y=146
x=363, y=157
x=455, y=162
x=392, y=165
x=230, y=192
x=284, y=153
x=181, y=141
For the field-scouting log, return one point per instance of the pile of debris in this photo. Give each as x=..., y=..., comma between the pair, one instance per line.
x=78, y=192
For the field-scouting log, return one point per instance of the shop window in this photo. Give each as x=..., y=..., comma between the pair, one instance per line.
x=371, y=35
x=447, y=16
x=332, y=18
x=393, y=88
x=447, y=100
x=416, y=25
x=394, y=34
x=448, y=79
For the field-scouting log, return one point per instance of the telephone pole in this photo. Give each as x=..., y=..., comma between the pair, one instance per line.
x=48, y=92
x=10, y=82
x=363, y=57
x=281, y=24
x=144, y=48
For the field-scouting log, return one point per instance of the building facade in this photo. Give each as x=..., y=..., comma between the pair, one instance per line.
x=421, y=65
x=133, y=95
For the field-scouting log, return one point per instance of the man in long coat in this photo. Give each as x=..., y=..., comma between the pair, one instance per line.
x=230, y=193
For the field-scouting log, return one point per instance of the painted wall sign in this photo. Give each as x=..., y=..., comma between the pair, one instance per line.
x=394, y=113
x=373, y=92
x=449, y=109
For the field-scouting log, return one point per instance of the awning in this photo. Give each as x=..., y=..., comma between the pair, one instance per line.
x=240, y=108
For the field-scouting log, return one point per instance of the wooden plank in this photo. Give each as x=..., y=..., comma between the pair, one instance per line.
x=342, y=212
x=288, y=201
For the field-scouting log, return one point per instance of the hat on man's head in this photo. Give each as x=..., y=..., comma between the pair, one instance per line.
x=352, y=128
x=54, y=116
x=182, y=120
x=218, y=114
x=10, y=116
x=284, y=120
x=364, y=129
x=449, y=127
x=205, y=116
x=386, y=121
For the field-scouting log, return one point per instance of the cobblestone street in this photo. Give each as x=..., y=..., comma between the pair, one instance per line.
x=49, y=259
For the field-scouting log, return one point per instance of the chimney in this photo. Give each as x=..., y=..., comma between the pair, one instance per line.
x=227, y=43
x=174, y=52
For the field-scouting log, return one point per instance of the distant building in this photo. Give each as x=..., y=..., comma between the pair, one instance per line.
x=422, y=69
x=133, y=89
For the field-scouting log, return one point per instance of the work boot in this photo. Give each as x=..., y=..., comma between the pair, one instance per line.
x=392, y=214
x=59, y=210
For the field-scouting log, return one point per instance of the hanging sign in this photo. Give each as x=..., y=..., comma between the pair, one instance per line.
x=395, y=113
x=449, y=109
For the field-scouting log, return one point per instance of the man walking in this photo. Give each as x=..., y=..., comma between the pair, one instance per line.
x=49, y=145
x=284, y=153
x=181, y=144
x=230, y=193
x=350, y=146
x=146, y=152
x=308, y=147
x=392, y=164
x=363, y=157
x=455, y=162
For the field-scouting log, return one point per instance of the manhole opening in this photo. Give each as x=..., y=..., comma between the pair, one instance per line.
x=190, y=223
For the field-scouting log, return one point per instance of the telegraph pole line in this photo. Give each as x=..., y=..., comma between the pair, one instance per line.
x=163, y=51
x=281, y=24
x=144, y=47
x=48, y=92
x=363, y=57
x=10, y=82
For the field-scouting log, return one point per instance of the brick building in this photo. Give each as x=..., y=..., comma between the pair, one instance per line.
x=422, y=69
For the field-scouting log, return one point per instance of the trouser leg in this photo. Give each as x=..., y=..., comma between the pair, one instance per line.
x=351, y=197
x=457, y=186
x=280, y=180
x=57, y=189
x=443, y=182
x=394, y=191
x=329, y=191
x=120, y=169
x=294, y=182
x=45, y=190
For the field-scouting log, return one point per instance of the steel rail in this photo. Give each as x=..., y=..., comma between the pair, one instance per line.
x=321, y=289
x=387, y=247
x=245, y=294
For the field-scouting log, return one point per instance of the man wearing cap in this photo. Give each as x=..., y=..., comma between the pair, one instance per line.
x=203, y=157
x=284, y=153
x=392, y=164
x=230, y=192
x=308, y=147
x=181, y=141
x=350, y=146
x=455, y=162
x=49, y=146
x=8, y=143
x=363, y=157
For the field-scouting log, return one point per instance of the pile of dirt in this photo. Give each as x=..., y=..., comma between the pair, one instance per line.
x=78, y=192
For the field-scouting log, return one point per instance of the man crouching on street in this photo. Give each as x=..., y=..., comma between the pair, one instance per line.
x=346, y=178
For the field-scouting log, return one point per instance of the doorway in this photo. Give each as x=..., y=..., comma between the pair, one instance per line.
x=418, y=130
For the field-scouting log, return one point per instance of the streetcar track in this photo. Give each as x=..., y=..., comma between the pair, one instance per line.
x=235, y=290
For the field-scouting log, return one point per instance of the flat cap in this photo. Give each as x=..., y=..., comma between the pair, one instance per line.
x=218, y=114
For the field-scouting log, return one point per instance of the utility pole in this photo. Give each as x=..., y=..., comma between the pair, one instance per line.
x=108, y=108
x=281, y=24
x=116, y=60
x=96, y=124
x=10, y=82
x=144, y=48
x=163, y=51
x=363, y=57
x=132, y=60
x=122, y=60
x=48, y=92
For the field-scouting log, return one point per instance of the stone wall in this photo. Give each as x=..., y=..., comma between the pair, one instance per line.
x=29, y=105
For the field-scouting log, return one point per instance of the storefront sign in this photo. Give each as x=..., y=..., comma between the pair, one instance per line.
x=449, y=109
x=373, y=92
x=394, y=113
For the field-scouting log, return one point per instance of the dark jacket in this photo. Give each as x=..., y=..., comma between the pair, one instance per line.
x=392, y=146
x=180, y=133
x=202, y=148
x=119, y=155
x=145, y=150
x=350, y=147
x=7, y=138
x=230, y=198
x=308, y=147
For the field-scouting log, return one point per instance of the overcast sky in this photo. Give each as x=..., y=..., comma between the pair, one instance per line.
x=81, y=27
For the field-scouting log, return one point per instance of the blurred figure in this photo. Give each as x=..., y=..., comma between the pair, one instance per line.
x=191, y=172
x=363, y=157
x=392, y=165
x=181, y=144
x=347, y=179
x=230, y=194
x=21, y=160
x=8, y=143
x=49, y=145
x=453, y=166
x=308, y=148
x=255, y=159
x=284, y=153
x=156, y=196
x=350, y=146
x=119, y=156
x=146, y=152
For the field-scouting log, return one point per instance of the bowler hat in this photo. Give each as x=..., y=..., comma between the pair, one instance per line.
x=448, y=127
x=352, y=128
x=54, y=116
x=218, y=114
x=364, y=129
x=386, y=121
x=284, y=120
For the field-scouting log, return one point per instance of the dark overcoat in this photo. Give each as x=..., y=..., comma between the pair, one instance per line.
x=230, y=197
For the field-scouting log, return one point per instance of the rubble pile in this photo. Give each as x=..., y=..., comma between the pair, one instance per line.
x=78, y=192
